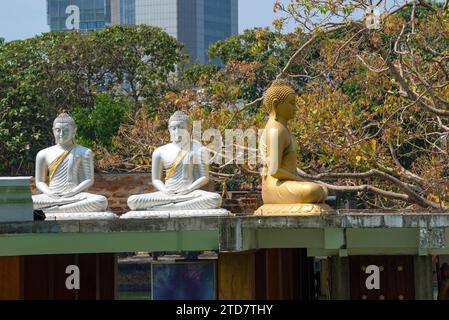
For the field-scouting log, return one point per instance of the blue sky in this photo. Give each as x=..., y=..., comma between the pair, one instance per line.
x=21, y=19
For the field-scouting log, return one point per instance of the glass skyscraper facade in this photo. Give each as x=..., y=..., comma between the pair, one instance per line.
x=218, y=21
x=94, y=14
x=127, y=11
x=196, y=23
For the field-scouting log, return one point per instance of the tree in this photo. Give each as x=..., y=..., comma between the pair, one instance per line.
x=67, y=71
x=217, y=96
x=99, y=126
x=382, y=122
x=372, y=104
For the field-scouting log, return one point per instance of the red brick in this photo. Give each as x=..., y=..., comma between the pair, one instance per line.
x=118, y=187
x=121, y=195
x=101, y=184
x=126, y=178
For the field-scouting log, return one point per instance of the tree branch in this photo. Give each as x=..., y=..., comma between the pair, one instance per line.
x=410, y=195
x=404, y=171
x=295, y=55
x=412, y=94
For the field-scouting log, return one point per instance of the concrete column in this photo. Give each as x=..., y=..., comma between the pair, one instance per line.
x=340, y=278
x=423, y=277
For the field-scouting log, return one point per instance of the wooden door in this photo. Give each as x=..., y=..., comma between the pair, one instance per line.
x=10, y=278
x=285, y=274
x=396, y=275
x=44, y=277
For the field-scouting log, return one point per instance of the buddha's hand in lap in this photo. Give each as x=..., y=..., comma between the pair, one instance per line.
x=67, y=194
x=184, y=191
x=180, y=192
x=167, y=192
x=53, y=195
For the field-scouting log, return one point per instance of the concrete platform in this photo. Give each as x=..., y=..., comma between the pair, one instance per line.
x=337, y=234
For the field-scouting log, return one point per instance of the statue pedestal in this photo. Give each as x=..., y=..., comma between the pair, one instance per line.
x=293, y=209
x=142, y=214
x=105, y=215
x=15, y=199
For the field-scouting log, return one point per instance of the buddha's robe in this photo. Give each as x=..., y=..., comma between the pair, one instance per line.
x=65, y=173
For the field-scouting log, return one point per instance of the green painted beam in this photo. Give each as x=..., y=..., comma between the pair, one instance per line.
x=382, y=238
x=229, y=234
x=382, y=251
x=54, y=243
x=334, y=238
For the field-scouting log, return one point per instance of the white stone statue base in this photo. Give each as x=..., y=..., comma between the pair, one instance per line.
x=105, y=215
x=142, y=214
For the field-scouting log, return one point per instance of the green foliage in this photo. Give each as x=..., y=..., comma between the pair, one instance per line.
x=196, y=71
x=351, y=87
x=251, y=61
x=98, y=126
x=62, y=71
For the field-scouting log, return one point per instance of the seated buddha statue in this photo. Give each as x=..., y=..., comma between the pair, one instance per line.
x=186, y=166
x=283, y=191
x=63, y=173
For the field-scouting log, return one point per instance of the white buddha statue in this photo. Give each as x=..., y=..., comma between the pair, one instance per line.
x=63, y=173
x=186, y=166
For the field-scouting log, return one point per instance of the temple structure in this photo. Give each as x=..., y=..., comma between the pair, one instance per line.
x=278, y=249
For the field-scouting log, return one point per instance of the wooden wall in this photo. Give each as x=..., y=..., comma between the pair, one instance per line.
x=236, y=276
x=10, y=278
x=266, y=274
x=396, y=278
x=43, y=277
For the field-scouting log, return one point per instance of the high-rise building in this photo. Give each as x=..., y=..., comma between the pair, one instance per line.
x=123, y=12
x=85, y=15
x=196, y=23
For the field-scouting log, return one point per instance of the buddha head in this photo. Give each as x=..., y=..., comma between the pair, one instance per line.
x=280, y=100
x=64, y=129
x=179, y=127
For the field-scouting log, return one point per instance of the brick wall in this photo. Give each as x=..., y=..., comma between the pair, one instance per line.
x=242, y=202
x=118, y=187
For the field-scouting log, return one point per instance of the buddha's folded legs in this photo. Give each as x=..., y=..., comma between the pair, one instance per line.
x=147, y=200
x=82, y=202
x=281, y=192
x=197, y=199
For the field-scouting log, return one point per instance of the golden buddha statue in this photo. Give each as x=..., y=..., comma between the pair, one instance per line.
x=283, y=191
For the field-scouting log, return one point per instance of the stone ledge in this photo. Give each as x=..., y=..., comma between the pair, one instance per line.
x=170, y=214
x=58, y=216
x=334, y=220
